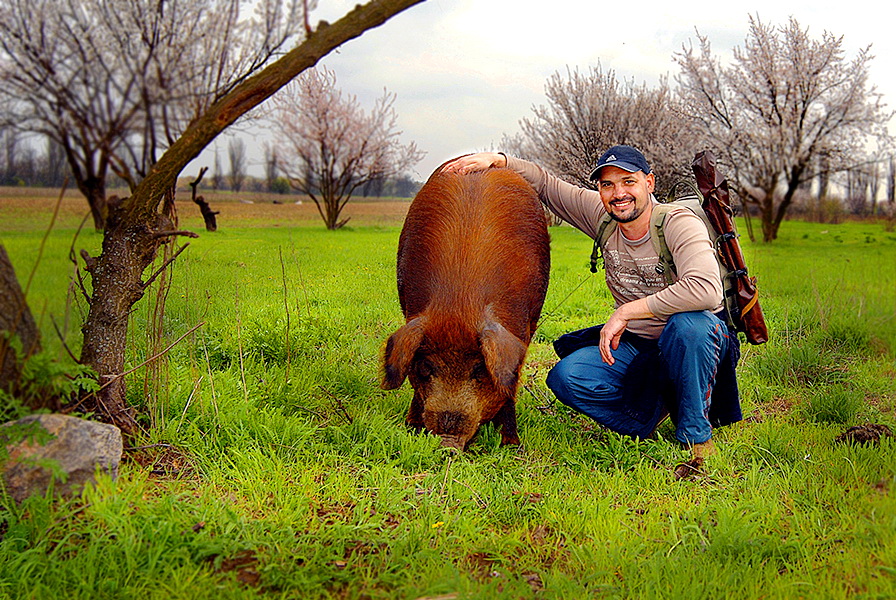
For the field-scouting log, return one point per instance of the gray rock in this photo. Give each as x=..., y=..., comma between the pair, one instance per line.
x=60, y=447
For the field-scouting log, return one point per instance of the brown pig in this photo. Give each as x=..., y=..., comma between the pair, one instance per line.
x=473, y=265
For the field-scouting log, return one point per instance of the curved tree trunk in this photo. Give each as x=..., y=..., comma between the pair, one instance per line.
x=129, y=247
x=135, y=229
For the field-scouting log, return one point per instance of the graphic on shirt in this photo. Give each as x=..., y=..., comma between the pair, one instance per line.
x=632, y=276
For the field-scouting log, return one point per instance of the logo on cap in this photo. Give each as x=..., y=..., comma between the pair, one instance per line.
x=625, y=157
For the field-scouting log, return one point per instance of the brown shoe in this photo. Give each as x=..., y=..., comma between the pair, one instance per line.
x=689, y=470
x=694, y=467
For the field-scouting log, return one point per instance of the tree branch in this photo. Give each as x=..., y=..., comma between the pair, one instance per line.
x=253, y=92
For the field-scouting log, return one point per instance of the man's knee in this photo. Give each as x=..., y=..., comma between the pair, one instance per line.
x=562, y=379
x=692, y=331
x=691, y=325
x=570, y=379
x=556, y=380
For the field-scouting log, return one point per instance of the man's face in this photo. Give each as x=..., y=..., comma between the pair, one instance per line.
x=625, y=195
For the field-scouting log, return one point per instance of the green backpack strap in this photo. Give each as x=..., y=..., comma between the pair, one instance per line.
x=605, y=229
x=666, y=266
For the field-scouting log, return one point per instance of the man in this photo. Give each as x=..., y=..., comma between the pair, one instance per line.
x=660, y=334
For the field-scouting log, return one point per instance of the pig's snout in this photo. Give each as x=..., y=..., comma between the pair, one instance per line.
x=453, y=441
x=454, y=427
x=451, y=422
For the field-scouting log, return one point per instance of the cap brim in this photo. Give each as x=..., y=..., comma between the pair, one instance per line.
x=622, y=165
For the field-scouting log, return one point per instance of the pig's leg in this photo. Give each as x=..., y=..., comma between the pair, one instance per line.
x=506, y=420
x=415, y=414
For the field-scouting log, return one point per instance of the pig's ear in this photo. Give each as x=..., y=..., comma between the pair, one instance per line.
x=400, y=349
x=503, y=353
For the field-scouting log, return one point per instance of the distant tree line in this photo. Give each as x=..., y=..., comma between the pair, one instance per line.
x=21, y=164
x=25, y=162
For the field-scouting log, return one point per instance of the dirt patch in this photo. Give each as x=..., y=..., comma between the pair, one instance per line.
x=25, y=209
x=481, y=566
x=869, y=433
x=777, y=407
x=268, y=211
x=162, y=461
x=335, y=513
x=244, y=565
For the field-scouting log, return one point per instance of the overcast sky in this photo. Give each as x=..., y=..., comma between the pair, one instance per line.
x=465, y=72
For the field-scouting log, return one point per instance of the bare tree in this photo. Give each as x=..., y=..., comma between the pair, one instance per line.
x=891, y=181
x=787, y=109
x=137, y=226
x=115, y=82
x=587, y=113
x=856, y=191
x=329, y=145
x=218, y=174
x=236, y=153
x=56, y=166
x=874, y=184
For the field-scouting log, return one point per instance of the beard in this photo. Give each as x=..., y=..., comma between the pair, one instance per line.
x=631, y=213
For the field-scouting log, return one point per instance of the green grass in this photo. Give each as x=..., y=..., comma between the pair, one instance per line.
x=290, y=474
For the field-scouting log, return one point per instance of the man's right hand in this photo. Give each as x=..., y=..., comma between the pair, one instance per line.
x=611, y=332
x=475, y=162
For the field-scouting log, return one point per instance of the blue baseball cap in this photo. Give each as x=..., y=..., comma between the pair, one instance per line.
x=624, y=157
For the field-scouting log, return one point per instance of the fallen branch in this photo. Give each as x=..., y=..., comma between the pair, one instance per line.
x=189, y=234
x=342, y=410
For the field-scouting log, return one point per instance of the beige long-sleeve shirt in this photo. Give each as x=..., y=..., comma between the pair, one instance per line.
x=630, y=265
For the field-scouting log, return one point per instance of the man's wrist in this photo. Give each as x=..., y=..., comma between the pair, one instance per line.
x=636, y=309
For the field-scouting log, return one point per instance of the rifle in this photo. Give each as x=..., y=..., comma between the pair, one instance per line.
x=714, y=189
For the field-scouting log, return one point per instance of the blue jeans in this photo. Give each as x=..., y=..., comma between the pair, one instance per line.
x=691, y=346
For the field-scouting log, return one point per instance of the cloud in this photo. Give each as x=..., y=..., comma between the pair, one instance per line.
x=465, y=72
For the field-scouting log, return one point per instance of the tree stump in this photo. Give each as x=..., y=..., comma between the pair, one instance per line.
x=208, y=214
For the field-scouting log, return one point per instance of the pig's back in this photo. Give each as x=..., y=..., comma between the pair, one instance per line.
x=475, y=240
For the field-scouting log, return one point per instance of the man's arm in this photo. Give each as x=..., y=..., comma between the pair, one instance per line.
x=476, y=162
x=580, y=207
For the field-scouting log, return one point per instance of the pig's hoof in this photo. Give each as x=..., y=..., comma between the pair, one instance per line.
x=514, y=444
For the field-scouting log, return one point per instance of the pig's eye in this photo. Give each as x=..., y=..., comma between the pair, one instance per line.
x=480, y=372
x=424, y=369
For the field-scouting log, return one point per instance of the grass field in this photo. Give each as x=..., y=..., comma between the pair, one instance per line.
x=275, y=467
